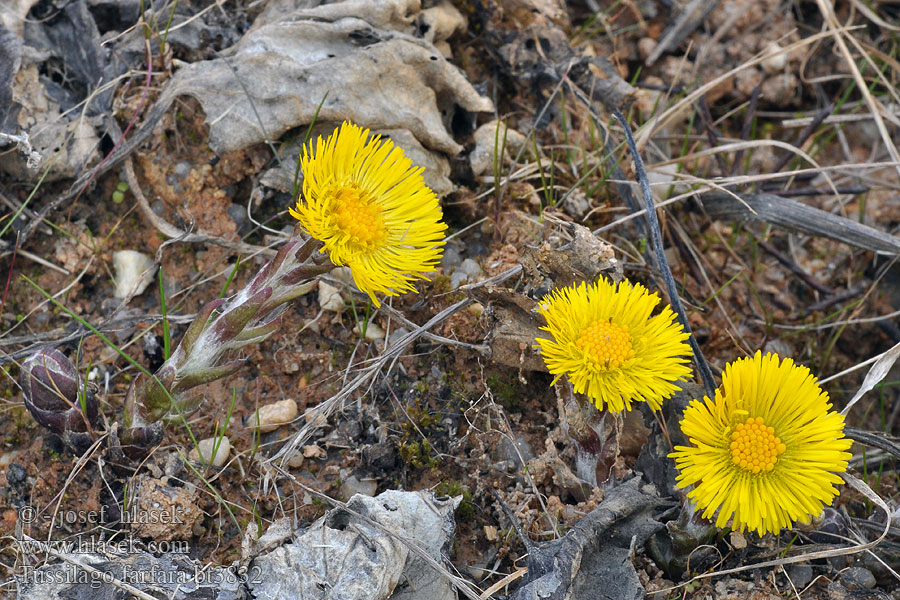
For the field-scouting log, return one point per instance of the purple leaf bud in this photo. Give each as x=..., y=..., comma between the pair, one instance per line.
x=50, y=386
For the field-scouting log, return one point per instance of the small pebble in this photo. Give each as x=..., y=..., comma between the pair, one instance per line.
x=273, y=416
x=800, y=575
x=134, y=272
x=645, y=47
x=373, y=331
x=206, y=448
x=491, y=533
x=182, y=169
x=158, y=208
x=774, y=64
x=330, y=297
x=295, y=461
x=353, y=486
x=738, y=541
x=313, y=451
x=487, y=137
x=469, y=270
x=15, y=475
x=238, y=214
x=857, y=578
x=451, y=258
x=510, y=451
x=7, y=457
x=397, y=335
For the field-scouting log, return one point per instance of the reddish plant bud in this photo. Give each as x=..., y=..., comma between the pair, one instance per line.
x=55, y=395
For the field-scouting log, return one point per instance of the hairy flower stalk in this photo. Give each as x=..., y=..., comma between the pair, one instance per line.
x=58, y=399
x=221, y=327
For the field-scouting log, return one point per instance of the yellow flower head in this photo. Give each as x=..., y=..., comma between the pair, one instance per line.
x=766, y=450
x=610, y=347
x=371, y=209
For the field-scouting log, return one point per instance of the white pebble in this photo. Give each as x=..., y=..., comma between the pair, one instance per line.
x=483, y=156
x=330, y=297
x=774, y=64
x=206, y=447
x=373, y=331
x=273, y=416
x=353, y=486
x=134, y=272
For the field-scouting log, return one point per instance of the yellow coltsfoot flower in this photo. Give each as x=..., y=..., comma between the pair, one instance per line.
x=609, y=346
x=369, y=206
x=765, y=452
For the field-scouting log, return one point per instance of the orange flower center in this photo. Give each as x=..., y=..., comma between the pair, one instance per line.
x=608, y=344
x=357, y=216
x=754, y=446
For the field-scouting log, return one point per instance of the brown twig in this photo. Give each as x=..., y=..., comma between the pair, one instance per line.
x=794, y=267
x=711, y=133
x=807, y=131
x=745, y=129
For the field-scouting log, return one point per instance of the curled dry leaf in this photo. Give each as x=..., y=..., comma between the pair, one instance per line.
x=276, y=76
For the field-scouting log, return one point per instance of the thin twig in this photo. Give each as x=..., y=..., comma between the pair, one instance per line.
x=807, y=131
x=171, y=231
x=656, y=239
x=794, y=267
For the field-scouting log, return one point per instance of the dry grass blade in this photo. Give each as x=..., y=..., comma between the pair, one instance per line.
x=515, y=575
x=738, y=146
x=656, y=239
x=878, y=111
x=879, y=371
x=645, y=133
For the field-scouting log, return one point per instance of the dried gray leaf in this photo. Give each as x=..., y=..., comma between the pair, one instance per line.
x=344, y=556
x=878, y=372
x=275, y=78
x=172, y=576
x=436, y=174
x=10, y=58
x=597, y=549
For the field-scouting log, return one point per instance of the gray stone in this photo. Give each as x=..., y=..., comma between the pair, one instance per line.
x=508, y=449
x=237, y=213
x=397, y=335
x=182, y=169
x=451, y=258
x=857, y=578
x=467, y=271
x=352, y=486
x=800, y=575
